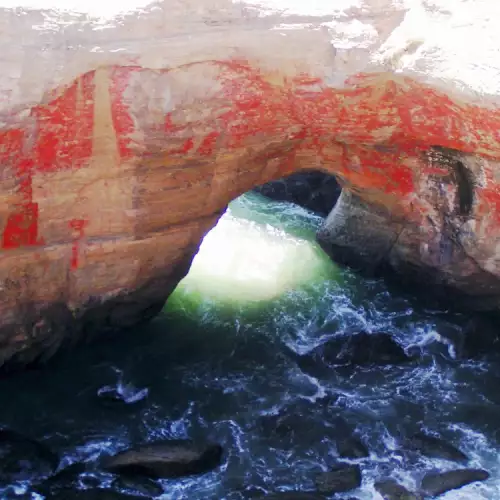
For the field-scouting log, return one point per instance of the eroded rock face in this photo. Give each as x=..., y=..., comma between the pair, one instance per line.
x=121, y=147
x=442, y=243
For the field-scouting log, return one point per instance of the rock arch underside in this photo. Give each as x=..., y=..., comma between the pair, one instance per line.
x=120, y=148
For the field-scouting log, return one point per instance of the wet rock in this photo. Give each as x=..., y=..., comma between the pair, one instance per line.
x=358, y=349
x=294, y=495
x=315, y=191
x=24, y=458
x=93, y=494
x=434, y=447
x=167, y=459
x=352, y=447
x=138, y=485
x=283, y=424
x=342, y=477
x=297, y=419
x=67, y=478
x=392, y=490
x=365, y=348
x=437, y=483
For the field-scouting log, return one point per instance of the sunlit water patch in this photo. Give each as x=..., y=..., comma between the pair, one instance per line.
x=217, y=365
x=244, y=259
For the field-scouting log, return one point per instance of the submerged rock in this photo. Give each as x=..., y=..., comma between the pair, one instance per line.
x=352, y=447
x=298, y=419
x=138, y=485
x=343, y=477
x=93, y=494
x=434, y=447
x=437, y=483
x=364, y=349
x=359, y=349
x=294, y=495
x=68, y=477
x=168, y=459
x=23, y=458
x=392, y=490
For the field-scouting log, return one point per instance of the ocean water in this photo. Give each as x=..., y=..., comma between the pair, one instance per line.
x=214, y=365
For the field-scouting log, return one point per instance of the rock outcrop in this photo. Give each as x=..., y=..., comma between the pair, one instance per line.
x=121, y=147
x=315, y=191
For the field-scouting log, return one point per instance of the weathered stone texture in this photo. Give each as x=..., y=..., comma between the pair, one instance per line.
x=120, y=152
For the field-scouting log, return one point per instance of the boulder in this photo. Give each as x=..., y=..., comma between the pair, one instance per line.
x=118, y=152
x=341, y=478
x=294, y=495
x=166, y=459
x=360, y=349
x=434, y=447
x=302, y=417
x=352, y=447
x=66, y=478
x=315, y=191
x=93, y=494
x=138, y=485
x=390, y=489
x=437, y=483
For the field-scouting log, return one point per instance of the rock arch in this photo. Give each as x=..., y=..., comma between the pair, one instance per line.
x=110, y=182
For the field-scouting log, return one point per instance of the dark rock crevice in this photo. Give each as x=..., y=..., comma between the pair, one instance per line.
x=313, y=190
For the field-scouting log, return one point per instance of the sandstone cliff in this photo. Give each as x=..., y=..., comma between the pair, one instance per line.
x=123, y=137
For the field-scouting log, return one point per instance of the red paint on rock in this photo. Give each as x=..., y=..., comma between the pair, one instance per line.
x=65, y=126
x=123, y=123
x=77, y=225
x=208, y=143
x=11, y=143
x=398, y=114
x=64, y=141
x=22, y=227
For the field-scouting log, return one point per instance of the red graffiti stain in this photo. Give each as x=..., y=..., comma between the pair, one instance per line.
x=78, y=226
x=123, y=122
x=207, y=145
x=64, y=141
x=22, y=227
x=65, y=127
x=371, y=110
x=184, y=149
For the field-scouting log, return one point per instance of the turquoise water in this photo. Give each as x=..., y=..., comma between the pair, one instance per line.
x=214, y=365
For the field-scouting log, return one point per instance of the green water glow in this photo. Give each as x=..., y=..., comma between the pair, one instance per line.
x=255, y=254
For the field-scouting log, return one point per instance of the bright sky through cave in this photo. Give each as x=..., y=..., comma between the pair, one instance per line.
x=241, y=260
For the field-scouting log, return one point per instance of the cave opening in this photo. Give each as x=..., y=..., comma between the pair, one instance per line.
x=265, y=243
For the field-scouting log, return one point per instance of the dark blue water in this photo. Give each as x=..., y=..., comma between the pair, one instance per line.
x=214, y=365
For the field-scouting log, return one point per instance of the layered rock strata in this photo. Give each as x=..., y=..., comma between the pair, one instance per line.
x=120, y=152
